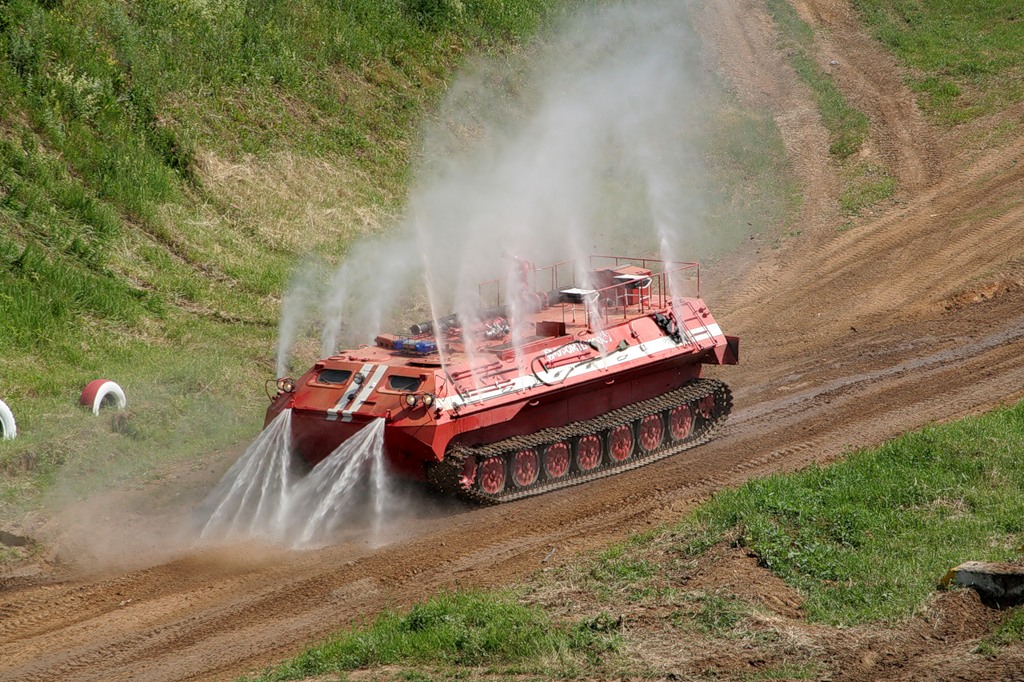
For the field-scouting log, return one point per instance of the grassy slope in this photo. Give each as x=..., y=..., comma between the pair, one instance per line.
x=162, y=165
x=867, y=539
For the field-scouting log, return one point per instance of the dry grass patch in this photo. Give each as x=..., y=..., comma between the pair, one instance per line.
x=293, y=203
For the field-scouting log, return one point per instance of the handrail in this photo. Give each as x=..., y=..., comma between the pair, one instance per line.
x=700, y=321
x=660, y=286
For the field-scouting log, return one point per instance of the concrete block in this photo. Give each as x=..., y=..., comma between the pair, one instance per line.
x=998, y=584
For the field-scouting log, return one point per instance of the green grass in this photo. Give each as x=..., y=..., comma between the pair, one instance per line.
x=747, y=145
x=868, y=538
x=457, y=630
x=616, y=570
x=964, y=57
x=709, y=613
x=864, y=184
x=847, y=126
x=186, y=407
x=1009, y=631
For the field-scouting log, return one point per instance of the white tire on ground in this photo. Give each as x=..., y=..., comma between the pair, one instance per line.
x=102, y=392
x=8, y=429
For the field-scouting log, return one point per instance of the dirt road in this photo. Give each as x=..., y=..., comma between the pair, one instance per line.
x=849, y=337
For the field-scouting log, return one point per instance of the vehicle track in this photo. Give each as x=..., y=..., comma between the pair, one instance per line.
x=845, y=344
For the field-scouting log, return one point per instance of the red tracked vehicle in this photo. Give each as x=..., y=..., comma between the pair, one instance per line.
x=603, y=376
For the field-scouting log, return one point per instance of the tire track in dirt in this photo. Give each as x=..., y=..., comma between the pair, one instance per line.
x=874, y=268
x=744, y=47
x=878, y=252
x=905, y=263
x=72, y=609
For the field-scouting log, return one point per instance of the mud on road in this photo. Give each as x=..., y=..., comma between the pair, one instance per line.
x=849, y=337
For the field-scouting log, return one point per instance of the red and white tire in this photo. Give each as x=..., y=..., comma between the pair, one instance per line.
x=8, y=429
x=102, y=392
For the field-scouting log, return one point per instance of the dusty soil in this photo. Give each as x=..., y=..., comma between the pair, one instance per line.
x=850, y=336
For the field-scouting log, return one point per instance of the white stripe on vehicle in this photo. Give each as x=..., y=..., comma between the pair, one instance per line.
x=368, y=387
x=348, y=395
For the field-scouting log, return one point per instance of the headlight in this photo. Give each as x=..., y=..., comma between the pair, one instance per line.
x=286, y=384
x=410, y=399
x=428, y=399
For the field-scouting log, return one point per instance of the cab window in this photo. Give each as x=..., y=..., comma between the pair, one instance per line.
x=333, y=376
x=399, y=383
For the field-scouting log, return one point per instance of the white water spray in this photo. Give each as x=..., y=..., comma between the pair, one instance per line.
x=322, y=502
x=262, y=496
x=589, y=146
x=334, y=310
x=252, y=497
x=295, y=311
